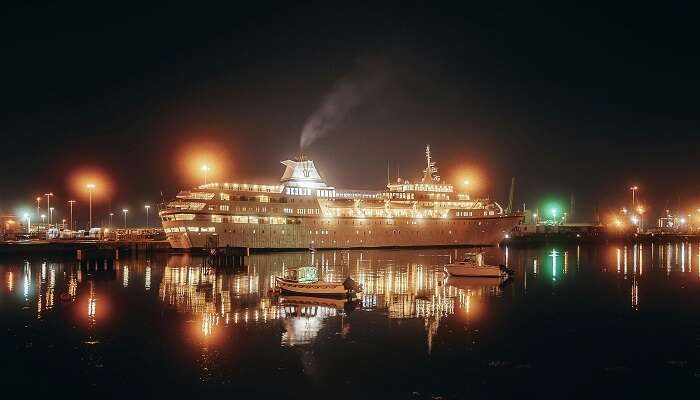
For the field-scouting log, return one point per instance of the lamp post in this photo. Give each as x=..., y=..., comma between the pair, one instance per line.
x=71, y=202
x=125, y=211
x=110, y=219
x=29, y=223
x=90, y=186
x=641, y=210
x=205, y=168
x=43, y=218
x=633, y=189
x=50, y=215
x=48, y=204
x=147, y=207
x=38, y=208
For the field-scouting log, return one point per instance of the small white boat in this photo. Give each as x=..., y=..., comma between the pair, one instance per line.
x=473, y=266
x=304, y=281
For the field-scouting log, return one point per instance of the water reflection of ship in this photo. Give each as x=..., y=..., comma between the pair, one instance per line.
x=303, y=316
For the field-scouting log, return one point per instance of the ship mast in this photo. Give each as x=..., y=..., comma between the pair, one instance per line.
x=430, y=172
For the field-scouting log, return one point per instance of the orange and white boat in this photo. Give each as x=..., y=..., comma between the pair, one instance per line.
x=304, y=281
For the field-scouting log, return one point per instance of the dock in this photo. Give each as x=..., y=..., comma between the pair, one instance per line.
x=83, y=247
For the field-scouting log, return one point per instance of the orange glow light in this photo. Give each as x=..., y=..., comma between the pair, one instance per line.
x=200, y=159
x=86, y=180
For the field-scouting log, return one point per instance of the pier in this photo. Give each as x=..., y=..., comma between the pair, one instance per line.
x=83, y=247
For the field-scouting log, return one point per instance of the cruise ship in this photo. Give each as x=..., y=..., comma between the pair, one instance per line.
x=302, y=211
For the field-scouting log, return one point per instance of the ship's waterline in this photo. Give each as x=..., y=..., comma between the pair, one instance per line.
x=303, y=211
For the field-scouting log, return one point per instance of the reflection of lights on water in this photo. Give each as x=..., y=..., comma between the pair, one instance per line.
x=43, y=272
x=51, y=288
x=147, y=278
x=39, y=305
x=690, y=257
x=619, y=255
x=27, y=279
x=554, y=255
x=125, y=276
x=208, y=323
x=641, y=259
x=683, y=257
x=10, y=281
x=534, y=266
x=635, y=295
x=92, y=305
x=72, y=286
x=578, y=256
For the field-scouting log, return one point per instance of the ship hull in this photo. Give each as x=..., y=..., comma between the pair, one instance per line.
x=323, y=233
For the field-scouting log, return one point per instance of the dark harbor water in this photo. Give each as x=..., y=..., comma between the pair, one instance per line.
x=580, y=321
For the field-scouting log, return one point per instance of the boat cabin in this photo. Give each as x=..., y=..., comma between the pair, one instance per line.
x=474, y=258
x=308, y=274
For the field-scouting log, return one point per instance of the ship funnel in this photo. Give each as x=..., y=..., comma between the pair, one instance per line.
x=302, y=172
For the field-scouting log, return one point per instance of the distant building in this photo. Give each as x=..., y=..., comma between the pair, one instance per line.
x=9, y=226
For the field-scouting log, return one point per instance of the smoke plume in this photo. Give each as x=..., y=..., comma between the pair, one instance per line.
x=346, y=95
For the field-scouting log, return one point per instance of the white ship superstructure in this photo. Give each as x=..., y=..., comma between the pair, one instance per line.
x=302, y=211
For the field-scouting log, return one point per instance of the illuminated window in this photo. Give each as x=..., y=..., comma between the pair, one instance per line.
x=224, y=196
x=223, y=207
x=193, y=228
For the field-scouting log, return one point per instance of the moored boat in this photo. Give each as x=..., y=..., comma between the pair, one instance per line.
x=473, y=266
x=304, y=281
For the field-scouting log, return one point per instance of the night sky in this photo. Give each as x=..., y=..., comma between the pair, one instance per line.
x=569, y=100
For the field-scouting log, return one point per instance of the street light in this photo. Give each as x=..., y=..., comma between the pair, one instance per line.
x=147, y=207
x=48, y=204
x=29, y=222
x=43, y=218
x=90, y=186
x=50, y=215
x=38, y=209
x=633, y=189
x=641, y=210
x=125, y=211
x=110, y=219
x=71, y=202
x=205, y=168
